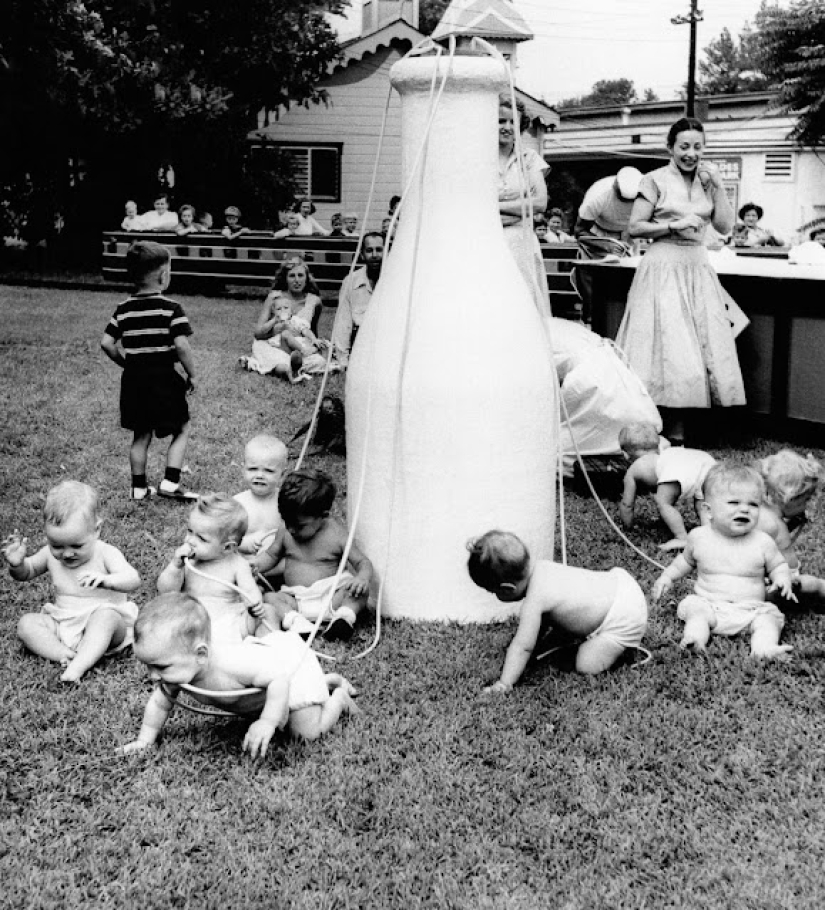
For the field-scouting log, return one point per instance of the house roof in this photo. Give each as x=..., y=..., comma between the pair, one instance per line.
x=485, y=18
x=386, y=36
x=538, y=110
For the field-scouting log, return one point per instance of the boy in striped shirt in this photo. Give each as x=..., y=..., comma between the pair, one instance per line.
x=147, y=337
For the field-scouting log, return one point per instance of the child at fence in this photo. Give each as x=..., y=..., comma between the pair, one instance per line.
x=292, y=228
x=311, y=543
x=205, y=222
x=791, y=482
x=132, y=221
x=675, y=475
x=732, y=557
x=148, y=337
x=207, y=566
x=233, y=227
x=186, y=221
x=607, y=611
x=175, y=639
x=90, y=616
x=265, y=459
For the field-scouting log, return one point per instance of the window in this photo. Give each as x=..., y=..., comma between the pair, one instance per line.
x=316, y=168
x=779, y=165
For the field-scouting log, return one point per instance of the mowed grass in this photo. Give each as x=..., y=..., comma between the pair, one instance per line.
x=679, y=784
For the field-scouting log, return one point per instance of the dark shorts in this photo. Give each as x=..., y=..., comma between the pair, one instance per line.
x=153, y=401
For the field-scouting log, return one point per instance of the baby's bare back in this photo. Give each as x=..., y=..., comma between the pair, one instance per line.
x=574, y=599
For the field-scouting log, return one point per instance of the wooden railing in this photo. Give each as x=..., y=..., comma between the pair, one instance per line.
x=255, y=258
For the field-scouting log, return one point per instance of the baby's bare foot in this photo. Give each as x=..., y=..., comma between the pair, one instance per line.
x=70, y=676
x=693, y=646
x=773, y=652
x=336, y=681
x=348, y=705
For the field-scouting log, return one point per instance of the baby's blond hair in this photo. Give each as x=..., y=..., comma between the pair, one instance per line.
x=639, y=437
x=724, y=476
x=226, y=513
x=68, y=499
x=787, y=474
x=269, y=446
x=496, y=558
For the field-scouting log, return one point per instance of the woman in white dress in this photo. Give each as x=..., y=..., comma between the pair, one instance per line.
x=523, y=243
x=678, y=329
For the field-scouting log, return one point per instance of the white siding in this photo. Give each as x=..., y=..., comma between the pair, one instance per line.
x=352, y=116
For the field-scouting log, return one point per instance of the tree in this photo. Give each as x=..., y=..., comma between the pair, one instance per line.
x=430, y=13
x=125, y=86
x=608, y=91
x=732, y=66
x=792, y=48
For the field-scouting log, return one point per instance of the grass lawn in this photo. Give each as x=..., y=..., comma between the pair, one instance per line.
x=680, y=784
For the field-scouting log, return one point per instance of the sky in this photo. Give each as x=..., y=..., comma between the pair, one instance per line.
x=579, y=42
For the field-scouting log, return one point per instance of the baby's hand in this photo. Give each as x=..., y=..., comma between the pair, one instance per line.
x=257, y=738
x=93, y=580
x=357, y=587
x=256, y=610
x=675, y=544
x=785, y=588
x=662, y=586
x=497, y=687
x=14, y=549
x=137, y=745
x=183, y=552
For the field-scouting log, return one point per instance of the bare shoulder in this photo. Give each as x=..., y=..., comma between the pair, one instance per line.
x=335, y=530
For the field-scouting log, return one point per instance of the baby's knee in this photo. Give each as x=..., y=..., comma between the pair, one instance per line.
x=597, y=655
x=694, y=608
x=28, y=624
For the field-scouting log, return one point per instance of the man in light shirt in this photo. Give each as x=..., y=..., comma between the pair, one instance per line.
x=355, y=294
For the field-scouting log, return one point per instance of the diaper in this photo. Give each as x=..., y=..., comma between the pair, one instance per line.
x=68, y=618
x=311, y=599
x=307, y=686
x=626, y=621
x=733, y=617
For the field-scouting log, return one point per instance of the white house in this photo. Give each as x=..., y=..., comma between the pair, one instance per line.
x=333, y=145
x=746, y=136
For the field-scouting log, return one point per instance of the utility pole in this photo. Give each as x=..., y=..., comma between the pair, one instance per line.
x=694, y=16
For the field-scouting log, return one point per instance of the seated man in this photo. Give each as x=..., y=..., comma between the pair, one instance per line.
x=354, y=296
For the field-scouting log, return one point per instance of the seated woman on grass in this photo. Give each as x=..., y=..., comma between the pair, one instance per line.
x=295, y=286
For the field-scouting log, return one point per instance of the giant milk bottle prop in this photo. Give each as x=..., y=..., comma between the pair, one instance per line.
x=462, y=437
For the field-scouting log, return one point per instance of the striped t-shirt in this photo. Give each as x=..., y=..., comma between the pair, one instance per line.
x=146, y=327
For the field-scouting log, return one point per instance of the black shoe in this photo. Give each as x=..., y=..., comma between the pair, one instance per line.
x=178, y=494
x=338, y=630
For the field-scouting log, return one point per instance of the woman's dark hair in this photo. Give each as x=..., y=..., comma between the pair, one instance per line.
x=305, y=494
x=300, y=202
x=279, y=284
x=523, y=119
x=751, y=207
x=681, y=126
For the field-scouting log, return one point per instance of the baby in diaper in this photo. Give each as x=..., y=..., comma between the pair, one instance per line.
x=311, y=543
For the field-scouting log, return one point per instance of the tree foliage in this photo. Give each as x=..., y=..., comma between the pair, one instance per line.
x=732, y=66
x=125, y=86
x=609, y=91
x=792, y=47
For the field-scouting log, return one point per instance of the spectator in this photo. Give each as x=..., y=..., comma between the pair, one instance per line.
x=205, y=222
x=233, y=228
x=748, y=233
x=161, y=219
x=186, y=221
x=292, y=229
x=308, y=226
x=355, y=294
x=337, y=225
x=350, y=224
x=555, y=228
x=132, y=221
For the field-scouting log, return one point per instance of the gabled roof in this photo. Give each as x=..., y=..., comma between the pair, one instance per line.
x=398, y=31
x=485, y=18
